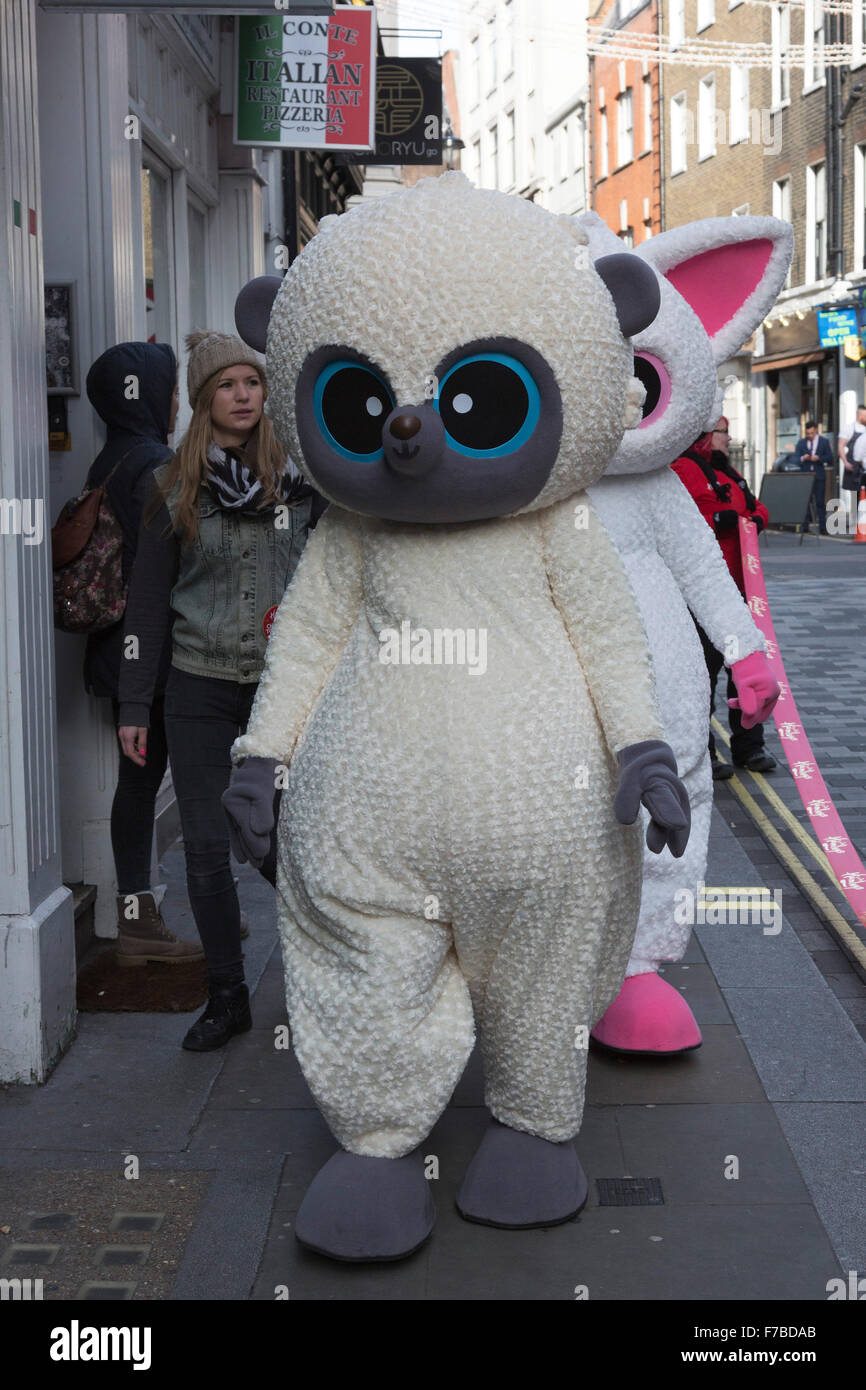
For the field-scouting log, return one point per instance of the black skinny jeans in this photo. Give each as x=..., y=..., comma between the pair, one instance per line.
x=132, y=809
x=745, y=743
x=203, y=717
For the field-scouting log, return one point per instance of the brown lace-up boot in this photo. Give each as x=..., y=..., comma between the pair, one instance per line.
x=146, y=937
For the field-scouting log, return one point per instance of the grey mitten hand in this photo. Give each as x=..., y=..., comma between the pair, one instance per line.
x=248, y=802
x=648, y=774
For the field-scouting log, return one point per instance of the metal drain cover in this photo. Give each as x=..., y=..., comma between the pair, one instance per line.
x=630, y=1192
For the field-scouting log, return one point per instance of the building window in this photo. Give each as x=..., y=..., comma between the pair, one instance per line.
x=780, y=78
x=739, y=128
x=860, y=207
x=494, y=156
x=858, y=32
x=647, y=90
x=475, y=66
x=782, y=209
x=476, y=162
x=813, y=49
x=510, y=165
x=508, y=38
x=816, y=222
x=707, y=116
x=491, y=53
x=603, y=160
x=564, y=164
x=677, y=22
x=679, y=120
x=198, y=259
x=156, y=210
x=625, y=127
x=706, y=13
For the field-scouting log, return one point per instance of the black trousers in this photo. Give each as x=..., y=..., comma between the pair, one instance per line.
x=819, y=497
x=203, y=717
x=745, y=743
x=132, y=809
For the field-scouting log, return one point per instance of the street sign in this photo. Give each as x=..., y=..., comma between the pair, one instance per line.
x=306, y=81
x=408, y=111
x=835, y=325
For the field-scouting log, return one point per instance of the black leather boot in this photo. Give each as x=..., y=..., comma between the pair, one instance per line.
x=227, y=1013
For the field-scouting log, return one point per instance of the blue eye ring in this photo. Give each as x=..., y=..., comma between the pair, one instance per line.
x=533, y=413
x=318, y=393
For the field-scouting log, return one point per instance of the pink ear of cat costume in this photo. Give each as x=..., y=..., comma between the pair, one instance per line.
x=728, y=270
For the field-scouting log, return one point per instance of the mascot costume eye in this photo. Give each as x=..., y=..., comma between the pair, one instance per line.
x=458, y=838
x=718, y=279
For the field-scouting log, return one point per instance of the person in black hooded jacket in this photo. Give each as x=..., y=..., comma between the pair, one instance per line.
x=133, y=387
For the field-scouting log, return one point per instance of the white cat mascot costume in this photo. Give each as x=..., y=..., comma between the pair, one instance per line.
x=457, y=846
x=718, y=279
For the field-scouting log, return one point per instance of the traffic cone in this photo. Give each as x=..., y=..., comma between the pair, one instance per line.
x=860, y=533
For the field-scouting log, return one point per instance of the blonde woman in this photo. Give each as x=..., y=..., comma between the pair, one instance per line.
x=221, y=535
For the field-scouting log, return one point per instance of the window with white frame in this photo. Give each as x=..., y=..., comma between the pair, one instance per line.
x=679, y=122
x=508, y=38
x=707, y=116
x=858, y=32
x=782, y=209
x=813, y=46
x=625, y=127
x=476, y=162
x=706, y=13
x=510, y=157
x=780, y=73
x=475, y=69
x=647, y=98
x=494, y=156
x=677, y=22
x=603, y=158
x=816, y=222
x=860, y=207
x=491, y=53
x=739, y=119
x=158, y=236
x=196, y=216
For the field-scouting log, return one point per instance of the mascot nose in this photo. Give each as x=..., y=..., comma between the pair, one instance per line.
x=413, y=440
x=405, y=426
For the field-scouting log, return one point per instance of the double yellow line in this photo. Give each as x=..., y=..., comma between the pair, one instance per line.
x=798, y=871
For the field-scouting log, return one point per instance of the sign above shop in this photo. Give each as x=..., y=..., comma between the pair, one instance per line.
x=306, y=81
x=218, y=7
x=835, y=325
x=408, y=111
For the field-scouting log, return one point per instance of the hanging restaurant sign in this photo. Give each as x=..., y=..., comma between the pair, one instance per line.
x=307, y=81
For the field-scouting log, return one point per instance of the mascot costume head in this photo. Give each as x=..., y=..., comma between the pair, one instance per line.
x=454, y=854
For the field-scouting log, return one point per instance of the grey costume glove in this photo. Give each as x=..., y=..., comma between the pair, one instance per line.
x=648, y=774
x=248, y=802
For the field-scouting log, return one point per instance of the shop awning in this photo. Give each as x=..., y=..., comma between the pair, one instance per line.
x=795, y=359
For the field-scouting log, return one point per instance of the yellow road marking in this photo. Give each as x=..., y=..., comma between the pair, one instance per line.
x=812, y=889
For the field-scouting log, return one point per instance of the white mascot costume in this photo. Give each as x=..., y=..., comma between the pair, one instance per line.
x=458, y=682
x=718, y=279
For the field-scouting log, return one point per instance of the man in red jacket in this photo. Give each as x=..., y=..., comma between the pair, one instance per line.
x=723, y=496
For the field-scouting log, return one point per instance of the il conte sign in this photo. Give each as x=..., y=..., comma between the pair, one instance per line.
x=306, y=80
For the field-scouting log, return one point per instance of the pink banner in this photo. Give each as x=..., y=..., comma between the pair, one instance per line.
x=826, y=821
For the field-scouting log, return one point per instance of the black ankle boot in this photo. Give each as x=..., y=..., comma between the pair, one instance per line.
x=227, y=1013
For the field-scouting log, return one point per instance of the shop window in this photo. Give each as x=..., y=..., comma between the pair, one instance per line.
x=158, y=260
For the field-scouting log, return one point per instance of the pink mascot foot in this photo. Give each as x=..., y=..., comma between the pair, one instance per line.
x=648, y=1016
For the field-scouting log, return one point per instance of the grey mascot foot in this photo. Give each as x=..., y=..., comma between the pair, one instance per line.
x=359, y=1208
x=519, y=1180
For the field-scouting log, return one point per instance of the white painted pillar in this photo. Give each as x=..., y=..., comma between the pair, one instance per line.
x=37, y=952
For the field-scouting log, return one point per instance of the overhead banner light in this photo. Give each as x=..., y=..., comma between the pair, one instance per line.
x=305, y=80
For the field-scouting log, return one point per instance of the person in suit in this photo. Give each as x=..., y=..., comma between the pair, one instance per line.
x=815, y=455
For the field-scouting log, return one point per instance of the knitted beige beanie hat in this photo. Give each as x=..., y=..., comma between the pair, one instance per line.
x=213, y=352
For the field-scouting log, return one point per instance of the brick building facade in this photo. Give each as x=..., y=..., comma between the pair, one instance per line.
x=625, y=143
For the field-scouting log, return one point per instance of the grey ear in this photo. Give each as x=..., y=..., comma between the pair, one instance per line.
x=253, y=309
x=635, y=289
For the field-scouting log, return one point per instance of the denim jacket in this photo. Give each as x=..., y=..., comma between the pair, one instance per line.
x=229, y=582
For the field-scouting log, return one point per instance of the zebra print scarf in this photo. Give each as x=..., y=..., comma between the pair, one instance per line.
x=233, y=485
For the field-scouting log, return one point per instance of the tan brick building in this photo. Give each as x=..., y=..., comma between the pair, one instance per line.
x=625, y=168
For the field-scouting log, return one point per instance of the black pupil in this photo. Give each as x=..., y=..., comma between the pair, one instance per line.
x=355, y=406
x=647, y=374
x=483, y=405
